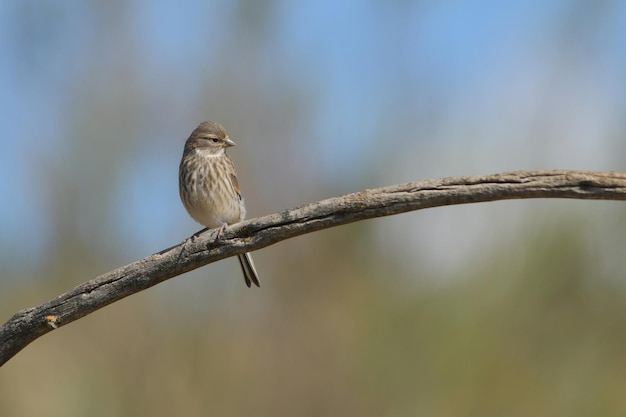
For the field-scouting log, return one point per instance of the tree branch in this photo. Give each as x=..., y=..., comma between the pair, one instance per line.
x=29, y=324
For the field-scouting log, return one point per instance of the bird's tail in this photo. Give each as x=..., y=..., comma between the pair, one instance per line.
x=249, y=271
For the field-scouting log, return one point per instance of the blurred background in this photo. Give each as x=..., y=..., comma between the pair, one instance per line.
x=505, y=308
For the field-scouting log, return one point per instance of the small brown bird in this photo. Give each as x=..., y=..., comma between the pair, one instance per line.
x=208, y=185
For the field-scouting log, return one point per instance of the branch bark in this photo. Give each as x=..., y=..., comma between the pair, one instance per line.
x=31, y=323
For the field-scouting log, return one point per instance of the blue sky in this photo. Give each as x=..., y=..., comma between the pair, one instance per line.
x=351, y=94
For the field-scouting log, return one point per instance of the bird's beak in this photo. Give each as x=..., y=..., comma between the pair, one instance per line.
x=229, y=142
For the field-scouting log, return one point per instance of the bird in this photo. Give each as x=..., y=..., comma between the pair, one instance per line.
x=208, y=186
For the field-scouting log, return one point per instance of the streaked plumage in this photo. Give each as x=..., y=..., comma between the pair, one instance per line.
x=208, y=185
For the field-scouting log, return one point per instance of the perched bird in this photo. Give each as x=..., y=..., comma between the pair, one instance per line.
x=208, y=185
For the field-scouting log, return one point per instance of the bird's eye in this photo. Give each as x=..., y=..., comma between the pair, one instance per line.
x=215, y=140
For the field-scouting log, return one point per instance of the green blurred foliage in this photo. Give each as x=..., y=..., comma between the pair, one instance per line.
x=535, y=330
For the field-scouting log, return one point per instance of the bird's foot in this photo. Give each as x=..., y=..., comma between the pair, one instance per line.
x=220, y=230
x=197, y=234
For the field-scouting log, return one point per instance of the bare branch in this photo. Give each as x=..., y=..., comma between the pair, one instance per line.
x=29, y=324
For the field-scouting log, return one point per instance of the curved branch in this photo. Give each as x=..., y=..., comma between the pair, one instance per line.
x=29, y=324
